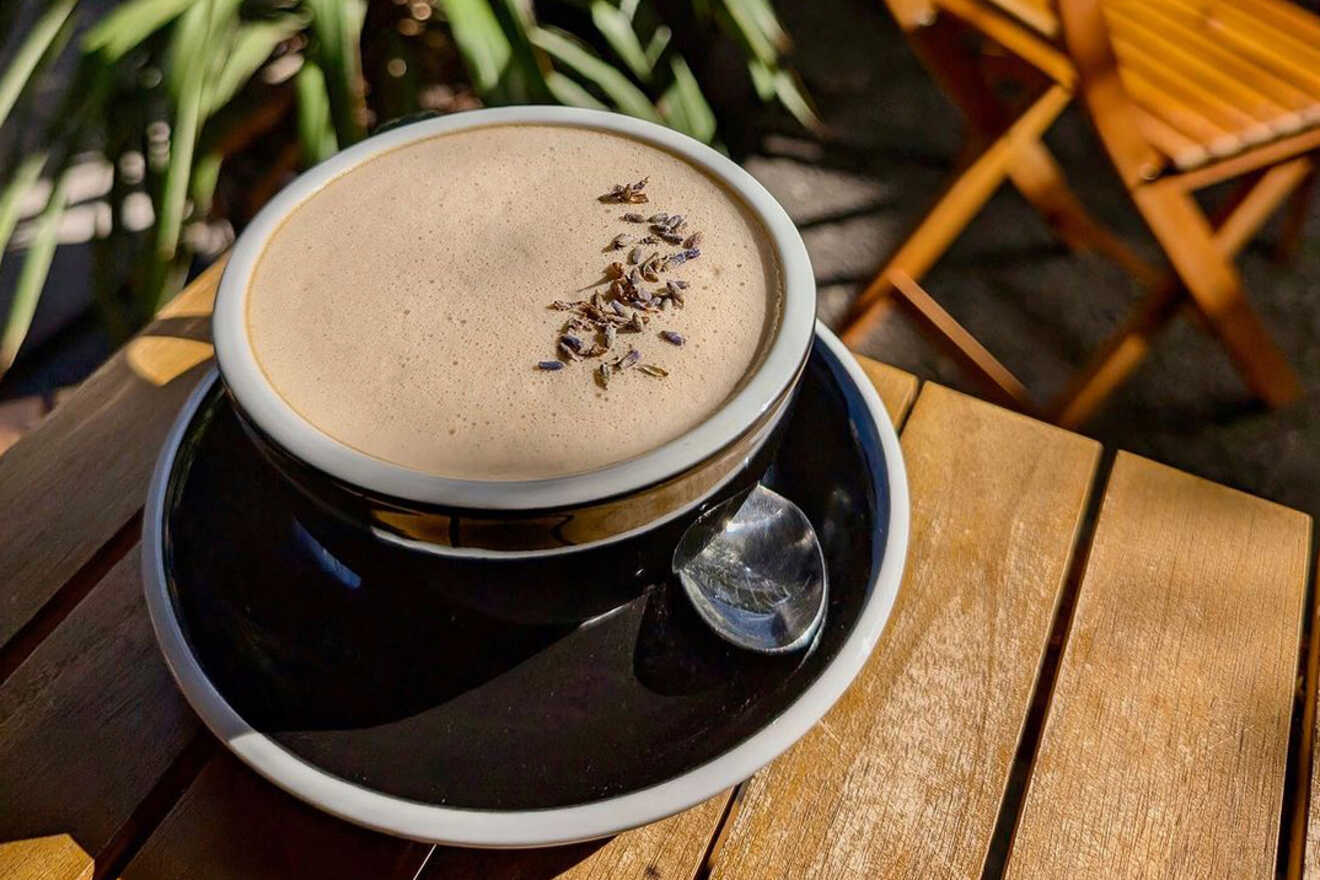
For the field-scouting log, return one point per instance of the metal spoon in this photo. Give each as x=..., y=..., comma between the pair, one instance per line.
x=754, y=570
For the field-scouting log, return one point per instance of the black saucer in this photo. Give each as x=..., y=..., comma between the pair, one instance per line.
x=462, y=692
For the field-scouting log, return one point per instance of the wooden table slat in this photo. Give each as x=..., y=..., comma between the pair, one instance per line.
x=897, y=389
x=1164, y=750
x=71, y=484
x=56, y=857
x=904, y=777
x=233, y=824
x=671, y=849
x=90, y=721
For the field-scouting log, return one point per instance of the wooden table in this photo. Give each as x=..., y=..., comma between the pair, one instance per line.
x=1097, y=667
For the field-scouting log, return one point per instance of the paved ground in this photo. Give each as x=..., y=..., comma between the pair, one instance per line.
x=1037, y=306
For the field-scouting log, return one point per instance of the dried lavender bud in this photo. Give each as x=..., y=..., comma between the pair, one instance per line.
x=653, y=370
x=618, y=308
x=680, y=257
x=619, y=241
x=603, y=375
x=569, y=351
x=629, y=193
x=634, y=277
x=675, y=222
x=634, y=218
x=609, y=336
x=632, y=357
x=647, y=239
x=672, y=337
x=636, y=324
x=664, y=305
x=634, y=255
x=657, y=218
x=692, y=240
x=550, y=365
x=670, y=237
x=614, y=270
x=571, y=342
x=679, y=283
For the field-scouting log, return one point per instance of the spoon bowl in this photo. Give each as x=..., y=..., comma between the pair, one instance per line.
x=753, y=568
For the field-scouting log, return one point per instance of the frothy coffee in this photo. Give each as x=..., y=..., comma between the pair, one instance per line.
x=403, y=308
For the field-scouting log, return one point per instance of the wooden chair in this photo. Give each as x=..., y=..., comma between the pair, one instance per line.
x=1183, y=94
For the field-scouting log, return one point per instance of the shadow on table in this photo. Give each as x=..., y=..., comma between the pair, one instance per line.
x=453, y=863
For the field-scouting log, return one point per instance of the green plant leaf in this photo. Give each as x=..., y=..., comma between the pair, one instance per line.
x=31, y=279
x=794, y=98
x=566, y=91
x=742, y=24
x=252, y=45
x=205, y=176
x=482, y=42
x=684, y=106
x=522, y=12
x=315, y=127
x=337, y=25
x=129, y=24
x=617, y=87
x=45, y=36
x=763, y=79
x=656, y=46
x=186, y=56
x=190, y=41
x=762, y=14
x=522, y=80
x=618, y=31
x=11, y=197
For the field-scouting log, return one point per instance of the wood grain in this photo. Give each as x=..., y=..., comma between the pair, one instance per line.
x=233, y=824
x=90, y=721
x=671, y=849
x=68, y=486
x=1163, y=754
x=896, y=388
x=56, y=857
x=229, y=803
x=904, y=777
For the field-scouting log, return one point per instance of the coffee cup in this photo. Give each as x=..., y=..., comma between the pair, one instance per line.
x=519, y=516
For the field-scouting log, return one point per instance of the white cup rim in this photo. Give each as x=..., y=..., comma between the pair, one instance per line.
x=264, y=406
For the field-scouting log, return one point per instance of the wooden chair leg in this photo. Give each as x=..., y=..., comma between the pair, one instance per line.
x=1039, y=178
x=1294, y=219
x=952, y=212
x=999, y=383
x=1214, y=285
x=1033, y=171
x=1118, y=357
x=1235, y=223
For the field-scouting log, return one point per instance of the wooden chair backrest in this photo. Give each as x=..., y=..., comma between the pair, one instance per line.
x=1068, y=40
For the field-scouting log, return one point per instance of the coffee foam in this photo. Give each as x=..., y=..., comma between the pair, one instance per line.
x=402, y=308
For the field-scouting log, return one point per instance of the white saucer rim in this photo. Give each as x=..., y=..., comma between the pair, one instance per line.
x=542, y=827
